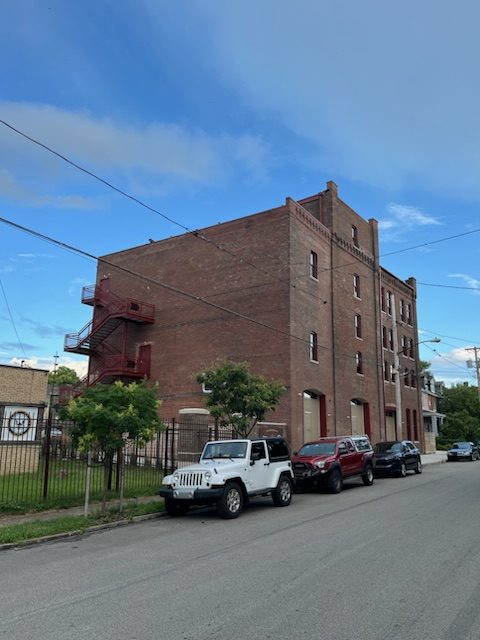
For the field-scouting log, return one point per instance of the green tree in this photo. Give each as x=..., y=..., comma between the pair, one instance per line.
x=238, y=397
x=63, y=375
x=461, y=406
x=106, y=417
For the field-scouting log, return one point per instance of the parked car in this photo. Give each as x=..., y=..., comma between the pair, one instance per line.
x=330, y=461
x=229, y=473
x=463, y=451
x=396, y=457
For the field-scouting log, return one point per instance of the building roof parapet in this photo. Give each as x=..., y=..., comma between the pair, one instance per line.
x=394, y=281
x=356, y=251
x=306, y=217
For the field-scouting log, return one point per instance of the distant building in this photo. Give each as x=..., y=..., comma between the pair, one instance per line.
x=296, y=291
x=23, y=402
x=432, y=391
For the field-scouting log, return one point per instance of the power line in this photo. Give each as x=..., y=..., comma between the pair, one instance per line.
x=175, y=290
x=196, y=233
x=13, y=321
x=448, y=286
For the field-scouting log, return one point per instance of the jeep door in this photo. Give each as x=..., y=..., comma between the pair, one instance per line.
x=259, y=470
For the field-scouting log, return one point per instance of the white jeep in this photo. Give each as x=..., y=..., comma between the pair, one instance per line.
x=228, y=473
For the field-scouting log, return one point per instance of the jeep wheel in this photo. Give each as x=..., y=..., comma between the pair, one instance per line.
x=418, y=468
x=282, y=495
x=402, y=472
x=175, y=508
x=335, y=481
x=231, y=503
x=367, y=477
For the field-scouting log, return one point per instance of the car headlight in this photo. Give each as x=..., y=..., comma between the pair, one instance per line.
x=320, y=464
x=207, y=475
x=176, y=477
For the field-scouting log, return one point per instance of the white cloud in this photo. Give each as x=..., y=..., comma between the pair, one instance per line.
x=141, y=153
x=402, y=219
x=39, y=362
x=382, y=90
x=13, y=190
x=470, y=281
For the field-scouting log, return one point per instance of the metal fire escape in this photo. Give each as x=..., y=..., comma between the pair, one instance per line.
x=112, y=315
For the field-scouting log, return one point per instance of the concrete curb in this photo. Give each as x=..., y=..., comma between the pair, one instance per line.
x=80, y=532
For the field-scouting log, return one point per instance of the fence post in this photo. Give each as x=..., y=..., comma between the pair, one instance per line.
x=172, y=446
x=165, y=453
x=48, y=446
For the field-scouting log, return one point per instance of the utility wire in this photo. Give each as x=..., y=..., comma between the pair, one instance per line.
x=175, y=290
x=196, y=233
x=13, y=321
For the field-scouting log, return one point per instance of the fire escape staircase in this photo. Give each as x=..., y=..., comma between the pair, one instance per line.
x=110, y=312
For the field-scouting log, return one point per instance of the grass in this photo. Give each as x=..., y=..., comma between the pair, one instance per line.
x=20, y=493
x=18, y=533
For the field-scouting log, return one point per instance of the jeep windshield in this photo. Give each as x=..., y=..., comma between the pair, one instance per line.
x=317, y=449
x=215, y=450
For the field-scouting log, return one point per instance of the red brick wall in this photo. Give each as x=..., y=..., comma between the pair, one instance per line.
x=189, y=336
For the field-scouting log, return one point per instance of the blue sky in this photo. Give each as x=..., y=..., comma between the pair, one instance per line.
x=210, y=110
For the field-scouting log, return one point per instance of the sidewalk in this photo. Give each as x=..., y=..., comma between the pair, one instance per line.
x=51, y=514
x=430, y=458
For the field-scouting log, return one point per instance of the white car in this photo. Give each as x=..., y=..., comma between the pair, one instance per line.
x=230, y=472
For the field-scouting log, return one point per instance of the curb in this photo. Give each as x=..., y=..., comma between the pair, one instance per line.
x=80, y=532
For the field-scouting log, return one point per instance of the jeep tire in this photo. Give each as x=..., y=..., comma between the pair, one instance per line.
x=282, y=494
x=335, y=481
x=367, y=476
x=231, y=502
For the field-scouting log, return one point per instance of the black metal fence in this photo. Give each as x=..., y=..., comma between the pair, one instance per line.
x=49, y=470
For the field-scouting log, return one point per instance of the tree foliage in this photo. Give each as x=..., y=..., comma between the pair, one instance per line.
x=238, y=397
x=107, y=416
x=461, y=406
x=63, y=375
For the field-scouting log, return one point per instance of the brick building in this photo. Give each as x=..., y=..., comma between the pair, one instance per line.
x=296, y=291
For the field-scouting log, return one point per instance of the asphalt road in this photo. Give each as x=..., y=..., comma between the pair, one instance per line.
x=398, y=560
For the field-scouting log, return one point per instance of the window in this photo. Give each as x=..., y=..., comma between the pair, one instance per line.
x=358, y=326
x=384, y=337
x=258, y=451
x=354, y=235
x=278, y=450
x=359, y=362
x=413, y=379
x=313, y=265
x=313, y=346
x=356, y=285
x=390, y=339
x=386, y=371
x=409, y=313
x=415, y=425
x=404, y=346
x=393, y=373
x=402, y=310
x=389, y=302
x=411, y=351
x=406, y=380
x=382, y=300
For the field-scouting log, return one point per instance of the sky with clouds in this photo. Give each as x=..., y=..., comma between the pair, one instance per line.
x=209, y=110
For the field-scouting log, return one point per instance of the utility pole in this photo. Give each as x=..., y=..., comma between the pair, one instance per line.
x=476, y=351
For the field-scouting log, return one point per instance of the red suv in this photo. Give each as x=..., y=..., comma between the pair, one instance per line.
x=329, y=461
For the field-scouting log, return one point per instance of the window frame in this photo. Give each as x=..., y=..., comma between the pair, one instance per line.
x=313, y=265
x=313, y=346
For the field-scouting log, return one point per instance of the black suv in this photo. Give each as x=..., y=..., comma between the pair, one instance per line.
x=396, y=457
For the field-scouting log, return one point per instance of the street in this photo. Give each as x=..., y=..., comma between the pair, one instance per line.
x=398, y=560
